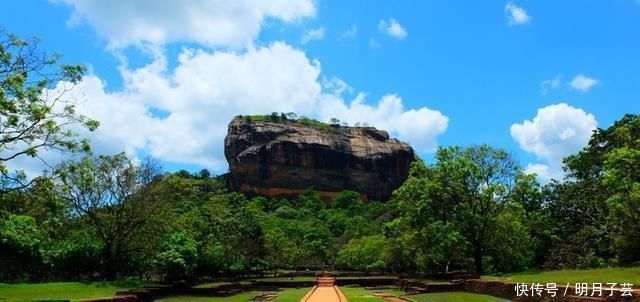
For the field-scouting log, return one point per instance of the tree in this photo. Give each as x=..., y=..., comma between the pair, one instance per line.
x=481, y=181
x=347, y=200
x=116, y=195
x=334, y=121
x=204, y=174
x=228, y=235
x=20, y=241
x=176, y=257
x=280, y=250
x=292, y=116
x=363, y=254
x=460, y=200
x=310, y=200
x=601, y=195
x=34, y=112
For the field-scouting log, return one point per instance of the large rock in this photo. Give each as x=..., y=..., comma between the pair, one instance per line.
x=281, y=159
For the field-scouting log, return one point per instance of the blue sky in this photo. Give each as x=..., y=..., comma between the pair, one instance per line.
x=432, y=72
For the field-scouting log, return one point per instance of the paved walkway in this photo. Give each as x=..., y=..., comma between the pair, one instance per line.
x=324, y=291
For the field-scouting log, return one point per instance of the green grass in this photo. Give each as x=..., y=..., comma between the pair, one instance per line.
x=246, y=296
x=287, y=295
x=453, y=296
x=62, y=290
x=292, y=294
x=359, y=294
x=603, y=275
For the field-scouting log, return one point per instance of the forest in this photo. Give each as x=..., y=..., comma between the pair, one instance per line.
x=474, y=209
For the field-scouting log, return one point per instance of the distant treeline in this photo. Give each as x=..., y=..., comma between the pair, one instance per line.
x=474, y=209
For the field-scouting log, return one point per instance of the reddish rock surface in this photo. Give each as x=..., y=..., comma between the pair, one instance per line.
x=281, y=159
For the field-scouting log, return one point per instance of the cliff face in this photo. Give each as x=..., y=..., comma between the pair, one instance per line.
x=281, y=159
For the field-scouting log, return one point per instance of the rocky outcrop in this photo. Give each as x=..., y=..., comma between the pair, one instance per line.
x=281, y=159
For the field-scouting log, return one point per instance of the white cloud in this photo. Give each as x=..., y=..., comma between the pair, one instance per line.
x=583, y=83
x=548, y=85
x=555, y=132
x=216, y=23
x=312, y=34
x=207, y=88
x=392, y=28
x=544, y=172
x=351, y=32
x=335, y=86
x=420, y=127
x=516, y=14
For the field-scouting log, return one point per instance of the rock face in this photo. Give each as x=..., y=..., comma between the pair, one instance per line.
x=281, y=159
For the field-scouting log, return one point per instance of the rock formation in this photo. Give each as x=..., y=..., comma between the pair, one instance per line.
x=282, y=158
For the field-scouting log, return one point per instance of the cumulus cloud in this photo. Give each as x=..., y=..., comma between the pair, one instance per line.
x=216, y=23
x=180, y=114
x=555, y=132
x=516, y=14
x=583, y=83
x=543, y=172
x=207, y=88
x=392, y=28
x=312, y=34
x=420, y=127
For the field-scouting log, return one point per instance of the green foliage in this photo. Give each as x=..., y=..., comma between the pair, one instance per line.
x=280, y=250
x=227, y=233
x=20, y=232
x=34, y=112
x=74, y=257
x=74, y=291
x=363, y=254
x=472, y=210
x=599, y=200
x=451, y=211
x=291, y=117
x=572, y=276
x=348, y=200
x=310, y=200
x=117, y=196
x=20, y=241
x=176, y=258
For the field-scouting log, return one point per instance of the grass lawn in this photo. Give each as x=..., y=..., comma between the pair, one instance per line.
x=292, y=294
x=603, y=275
x=454, y=296
x=246, y=296
x=359, y=294
x=287, y=295
x=62, y=290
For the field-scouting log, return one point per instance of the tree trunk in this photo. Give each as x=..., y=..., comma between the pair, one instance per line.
x=108, y=271
x=477, y=258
